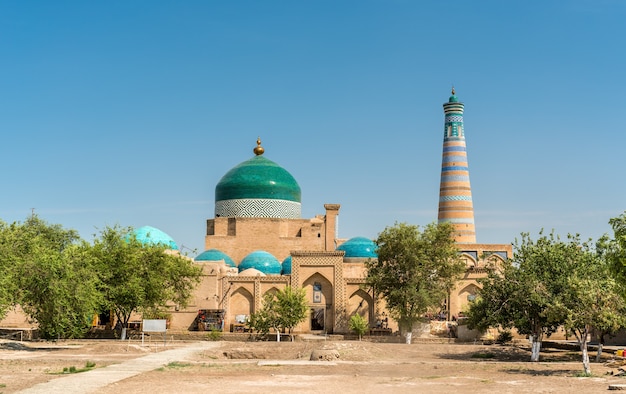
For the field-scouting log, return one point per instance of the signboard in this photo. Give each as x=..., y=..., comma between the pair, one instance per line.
x=153, y=325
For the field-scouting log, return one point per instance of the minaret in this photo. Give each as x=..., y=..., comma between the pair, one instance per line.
x=455, y=192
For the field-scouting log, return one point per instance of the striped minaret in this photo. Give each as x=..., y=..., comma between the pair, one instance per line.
x=455, y=192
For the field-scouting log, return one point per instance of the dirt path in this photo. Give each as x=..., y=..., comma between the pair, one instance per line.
x=270, y=367
x=96, y=379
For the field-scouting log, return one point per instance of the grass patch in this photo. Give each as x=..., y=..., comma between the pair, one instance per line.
x=583, y=374
x=484, y=356
x=89, y=365
x=177, y=364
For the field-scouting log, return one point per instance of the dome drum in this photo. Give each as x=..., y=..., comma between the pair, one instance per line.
x=258, y=208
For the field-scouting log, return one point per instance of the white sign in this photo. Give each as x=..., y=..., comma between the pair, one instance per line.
x=152, y=325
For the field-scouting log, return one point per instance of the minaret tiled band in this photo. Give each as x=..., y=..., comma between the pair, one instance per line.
x=455, y=192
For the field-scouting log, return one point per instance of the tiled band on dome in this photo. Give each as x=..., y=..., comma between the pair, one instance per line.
x=258, y=208
x=455, y=192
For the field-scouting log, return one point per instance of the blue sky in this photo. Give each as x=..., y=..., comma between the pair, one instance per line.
x=129, y=113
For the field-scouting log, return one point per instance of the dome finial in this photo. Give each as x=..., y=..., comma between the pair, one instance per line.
x=453, y=92
x=258, y=149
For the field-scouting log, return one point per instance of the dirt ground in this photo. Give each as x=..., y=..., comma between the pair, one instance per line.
x=270, y=367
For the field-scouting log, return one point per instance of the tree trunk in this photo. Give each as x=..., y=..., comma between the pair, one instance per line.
x=583, y=349
x=408, y=337
x=600, y=346
x=535, y=347
x=123, y=335
x=599, y=354
x=582, y=341
x=277, y=334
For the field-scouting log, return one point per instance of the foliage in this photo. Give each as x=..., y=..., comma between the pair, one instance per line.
x=504, y=337
x=58, y=287
x=214, y=335
x=615, y=250
x=139, y=276
x=283, y=309
x=359, y=325
x=415, y=270
x=550, y=283
x=264, y=319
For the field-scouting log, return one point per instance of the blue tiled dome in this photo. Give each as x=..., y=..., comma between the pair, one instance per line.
x=154, y=236
x=261, y=261
x=215, y=255
x=286, y=266
x=359, y=247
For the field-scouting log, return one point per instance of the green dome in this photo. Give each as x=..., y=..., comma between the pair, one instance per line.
x=258, y=187
x=258, y=177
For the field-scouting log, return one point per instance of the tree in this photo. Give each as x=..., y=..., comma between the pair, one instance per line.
x=415, y=270
x=359, y=325
x=58, y=286
x=137, y=276
x=8, y=278
x=549, y=283
x=283, y=309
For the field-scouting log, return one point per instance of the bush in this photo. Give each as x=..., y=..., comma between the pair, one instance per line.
x=504, y=337
x=359, y=325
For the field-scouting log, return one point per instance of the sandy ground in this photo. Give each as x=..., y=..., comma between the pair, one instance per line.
x=270, y=367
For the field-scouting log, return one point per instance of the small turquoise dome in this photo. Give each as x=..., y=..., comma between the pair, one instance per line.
x=215, y=255
x=286, y=266
x=453, y=98
x=154, y=236
x=258, y=187
x=261, y=261
x=359, y=247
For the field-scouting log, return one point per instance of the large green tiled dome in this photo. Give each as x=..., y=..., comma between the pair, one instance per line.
x=258, y=187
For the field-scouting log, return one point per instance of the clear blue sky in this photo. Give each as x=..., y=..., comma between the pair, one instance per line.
x=129, y=112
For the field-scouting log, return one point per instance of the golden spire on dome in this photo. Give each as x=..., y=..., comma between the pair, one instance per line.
x=453, y=93
x=258, y=149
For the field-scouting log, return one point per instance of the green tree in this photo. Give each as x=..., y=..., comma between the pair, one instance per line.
x=549, y=283
x=137, y=276
x=359, y=325
x=415, y=270
x=283, y=309
x=8, y=261
x=615, y=250
x=58, y=286
x=263, y=320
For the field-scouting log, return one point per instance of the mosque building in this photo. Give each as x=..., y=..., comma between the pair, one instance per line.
x=257, y=243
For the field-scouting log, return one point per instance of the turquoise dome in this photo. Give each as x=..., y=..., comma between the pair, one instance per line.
x=286, y=266
x=359, y=247
x=154, y=236
x=261, y=261
x=215, y=255
x=453, y=98
x=258, y=187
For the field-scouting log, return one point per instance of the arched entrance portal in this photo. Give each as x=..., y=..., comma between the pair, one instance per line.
x=319, y=293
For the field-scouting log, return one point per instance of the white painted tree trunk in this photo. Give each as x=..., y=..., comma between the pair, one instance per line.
x=535, y=349
x=123, y=335
x=277, y=334
x=408, y=337
x=583, y=340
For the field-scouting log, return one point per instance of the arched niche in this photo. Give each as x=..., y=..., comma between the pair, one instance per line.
x=470, y=261
x=360, y=302
x=241, y=304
